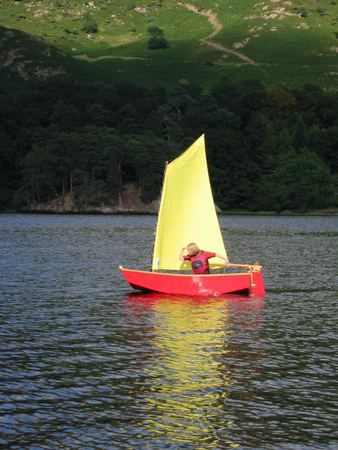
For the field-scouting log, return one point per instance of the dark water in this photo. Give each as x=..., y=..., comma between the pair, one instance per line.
x=84, y=364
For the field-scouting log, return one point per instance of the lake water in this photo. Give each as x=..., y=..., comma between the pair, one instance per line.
x=87, y=364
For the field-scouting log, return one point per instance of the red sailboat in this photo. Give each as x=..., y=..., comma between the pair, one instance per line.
x=187, y=214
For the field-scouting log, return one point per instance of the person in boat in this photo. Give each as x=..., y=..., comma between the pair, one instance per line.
x=199, y=258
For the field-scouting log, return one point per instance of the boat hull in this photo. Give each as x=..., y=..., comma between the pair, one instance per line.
x=251, y=283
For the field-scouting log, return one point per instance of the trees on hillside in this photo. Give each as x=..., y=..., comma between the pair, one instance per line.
x=300, y=181
x=270, y=149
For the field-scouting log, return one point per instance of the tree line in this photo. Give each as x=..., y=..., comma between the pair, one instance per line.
x=268, y=148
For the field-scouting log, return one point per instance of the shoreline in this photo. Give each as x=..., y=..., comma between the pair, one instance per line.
x=332, y=212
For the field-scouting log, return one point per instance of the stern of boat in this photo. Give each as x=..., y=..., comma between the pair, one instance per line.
x=257, y=287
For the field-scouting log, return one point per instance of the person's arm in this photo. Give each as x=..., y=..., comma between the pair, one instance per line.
x=222, y=257
x=181, y=256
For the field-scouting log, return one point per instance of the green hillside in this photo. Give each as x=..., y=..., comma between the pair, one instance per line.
x=290, y=42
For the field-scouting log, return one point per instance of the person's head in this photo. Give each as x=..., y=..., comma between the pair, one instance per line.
x=193, y=249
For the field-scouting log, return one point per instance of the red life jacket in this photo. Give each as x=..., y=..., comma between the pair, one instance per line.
x=199, y=262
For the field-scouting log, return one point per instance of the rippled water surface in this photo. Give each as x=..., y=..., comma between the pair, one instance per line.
x=86, y=363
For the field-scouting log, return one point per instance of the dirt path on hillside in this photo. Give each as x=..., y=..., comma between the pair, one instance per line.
x=217, y=27
x=85, y=57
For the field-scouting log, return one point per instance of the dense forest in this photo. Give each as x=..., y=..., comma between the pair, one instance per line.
x=271, y=149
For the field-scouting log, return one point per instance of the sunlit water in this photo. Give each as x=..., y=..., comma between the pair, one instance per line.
x=86, y=364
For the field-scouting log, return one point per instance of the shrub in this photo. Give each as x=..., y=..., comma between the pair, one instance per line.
x=157, y=39
x=89, y=24
x=303, y=12
x=321, y=10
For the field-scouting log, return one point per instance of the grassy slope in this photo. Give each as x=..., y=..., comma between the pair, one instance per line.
x=285, y=47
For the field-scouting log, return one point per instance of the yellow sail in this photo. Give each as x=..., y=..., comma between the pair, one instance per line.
x=187, y=211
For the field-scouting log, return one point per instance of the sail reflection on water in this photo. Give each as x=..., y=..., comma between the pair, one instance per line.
x=188, y=375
